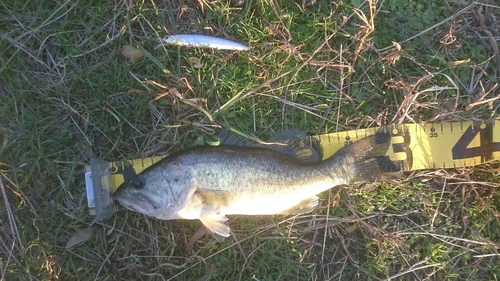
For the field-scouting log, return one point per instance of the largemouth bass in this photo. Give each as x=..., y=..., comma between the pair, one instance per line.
x=210, y=182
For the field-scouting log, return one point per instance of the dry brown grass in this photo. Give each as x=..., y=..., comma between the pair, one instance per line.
x=67, y=93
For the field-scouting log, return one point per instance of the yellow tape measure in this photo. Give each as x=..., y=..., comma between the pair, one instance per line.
x=413, y=147
x=430, y=145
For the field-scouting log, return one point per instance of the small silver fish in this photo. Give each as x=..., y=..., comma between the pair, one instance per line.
x=210, y=182
x=203, y=41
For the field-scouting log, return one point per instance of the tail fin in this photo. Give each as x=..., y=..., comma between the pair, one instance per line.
x=366, y=160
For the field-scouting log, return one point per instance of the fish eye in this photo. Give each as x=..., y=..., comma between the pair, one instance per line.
x=138, y=182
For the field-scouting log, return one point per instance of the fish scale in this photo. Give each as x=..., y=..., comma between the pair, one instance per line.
x=210, y=182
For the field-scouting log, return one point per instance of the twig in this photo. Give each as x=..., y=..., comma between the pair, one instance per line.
x=430, y=28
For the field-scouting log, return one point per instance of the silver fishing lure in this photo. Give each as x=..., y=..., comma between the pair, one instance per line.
x=203, y=41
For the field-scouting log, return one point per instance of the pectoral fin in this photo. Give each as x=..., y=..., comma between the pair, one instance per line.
x=215, y=223
x=305, y=206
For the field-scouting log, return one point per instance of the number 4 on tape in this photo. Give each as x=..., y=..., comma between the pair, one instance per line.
x=486, y=147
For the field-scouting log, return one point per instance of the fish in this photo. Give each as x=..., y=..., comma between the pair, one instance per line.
x=203, y=41
x=209, y=182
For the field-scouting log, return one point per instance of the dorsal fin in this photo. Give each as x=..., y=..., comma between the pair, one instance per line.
x=230, y=138
x=291, y=142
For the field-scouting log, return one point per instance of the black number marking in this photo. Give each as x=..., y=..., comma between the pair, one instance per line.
x=433, y=133
x=126, y=169
x=347, y=140
x=385, y=162
x=461, y=150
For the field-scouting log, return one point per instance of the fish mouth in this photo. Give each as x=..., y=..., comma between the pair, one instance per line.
x=141, y=204
x=131, y=208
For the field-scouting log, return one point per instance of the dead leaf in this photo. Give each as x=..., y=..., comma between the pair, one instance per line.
x=80, y=237
x=132, y=53
x=202, y=6
x=426, y=201
x=195, y=62
x=197, y=235
x=351, y=228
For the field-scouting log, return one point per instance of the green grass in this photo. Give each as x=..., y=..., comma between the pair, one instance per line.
x=66, y=93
